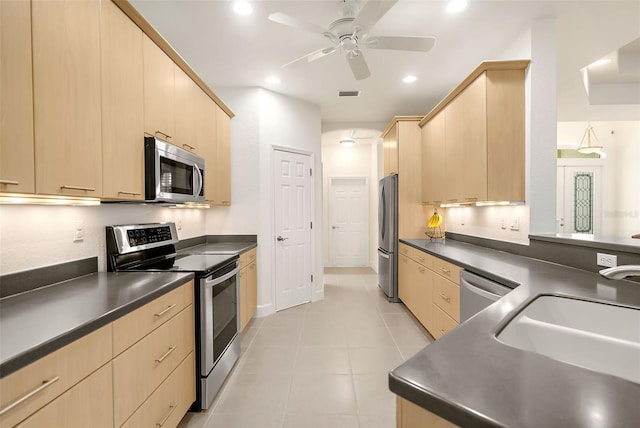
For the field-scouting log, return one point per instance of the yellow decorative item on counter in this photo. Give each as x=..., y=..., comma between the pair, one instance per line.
x=433, y=225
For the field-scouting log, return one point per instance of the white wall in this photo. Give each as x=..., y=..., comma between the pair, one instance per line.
x=621, y=173
x=265, y=120
x=34, y=236
x=360, y=160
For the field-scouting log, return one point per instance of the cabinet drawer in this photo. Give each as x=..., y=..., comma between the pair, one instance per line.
x=140, y=369
x=89, y=403
x=247, y=258
x=442, y=322
x=446, y=294
x=68, y=365
x=168, y=404
x=415, y=255
x=134, y=326
x=446, y=269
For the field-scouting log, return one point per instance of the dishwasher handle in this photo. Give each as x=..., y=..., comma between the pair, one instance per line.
x=482, y=286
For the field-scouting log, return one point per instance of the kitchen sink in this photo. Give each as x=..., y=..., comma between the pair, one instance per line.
x=598, y=336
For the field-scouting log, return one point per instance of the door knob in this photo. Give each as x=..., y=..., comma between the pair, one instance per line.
x=334, y=227
x=280, y=239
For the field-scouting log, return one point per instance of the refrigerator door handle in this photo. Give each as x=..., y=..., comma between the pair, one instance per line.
x=383, y=255
x=382, y=207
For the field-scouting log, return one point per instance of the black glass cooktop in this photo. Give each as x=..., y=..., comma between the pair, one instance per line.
x=197, y=263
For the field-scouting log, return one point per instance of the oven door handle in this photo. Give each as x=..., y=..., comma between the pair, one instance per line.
x=215, y=281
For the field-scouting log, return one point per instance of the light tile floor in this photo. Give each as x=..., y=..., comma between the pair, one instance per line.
x=319, y=365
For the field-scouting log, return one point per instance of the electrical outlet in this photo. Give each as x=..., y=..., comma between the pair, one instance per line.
x=608, y=260
x=515, y=223
x=78, y=235
x=179, y=224
x=503, y=223
x=462, y=220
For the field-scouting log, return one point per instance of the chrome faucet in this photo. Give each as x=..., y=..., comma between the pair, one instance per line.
x=620, y=272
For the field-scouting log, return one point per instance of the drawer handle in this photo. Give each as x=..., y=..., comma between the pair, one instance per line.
x=442, y=331
x=421, y=270
x=447, y=271
x=129, y=193
x=188, y=147
x=161, y=313
x=86, y=189
x=166, y=416
x=163, y=134
x=11, y=182
x=445, y=297
x=421, y=259
x=45, y=384
x=166, y=354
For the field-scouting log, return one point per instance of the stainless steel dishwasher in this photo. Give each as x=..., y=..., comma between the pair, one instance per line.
x=477, y=292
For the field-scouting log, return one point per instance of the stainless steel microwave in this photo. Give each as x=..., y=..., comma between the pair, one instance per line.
x=172, y=174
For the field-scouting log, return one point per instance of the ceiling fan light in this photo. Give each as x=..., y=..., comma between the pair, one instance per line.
x=242, y=7
x=346, y=143
x=455, y=6
x=410, y=79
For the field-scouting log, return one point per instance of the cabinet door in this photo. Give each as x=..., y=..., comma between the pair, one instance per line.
x=434, y=175
x=422, y=294
x=404, y=280
x=16, y=98
x=506, y=135
x=222, y=167
x=67, y=105
x=252, y=290
x=89, y=403
x=209, y=143
x=189, y=101
x=243, y=297
x=391, y=151
x=409, y=152
x=122, y=105
x=159, y=117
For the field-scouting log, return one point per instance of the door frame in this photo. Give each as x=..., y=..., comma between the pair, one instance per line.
x=312, y=179
x=367, y=231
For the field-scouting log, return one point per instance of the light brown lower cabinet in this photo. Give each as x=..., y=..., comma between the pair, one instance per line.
x=168, y=404
x=248, y=287
x=409, y=415
x=89, y=403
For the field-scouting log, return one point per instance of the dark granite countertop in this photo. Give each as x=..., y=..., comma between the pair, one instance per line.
x=471, y=379
x=38, y=322
x=233, y=247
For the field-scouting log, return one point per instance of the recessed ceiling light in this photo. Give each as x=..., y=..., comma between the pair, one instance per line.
x=272, y=80
x=410, y=79
x=346, y=143
x=455, y=6
x=600, y=62
x=242, y=7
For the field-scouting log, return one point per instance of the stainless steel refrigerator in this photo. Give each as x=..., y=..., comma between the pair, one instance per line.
x=388, y=236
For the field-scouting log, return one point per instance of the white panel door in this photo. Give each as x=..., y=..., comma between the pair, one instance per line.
x=292, y=228
x=348, y=222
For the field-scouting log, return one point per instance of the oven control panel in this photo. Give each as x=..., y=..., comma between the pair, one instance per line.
x=130, y=238
x=139, y=237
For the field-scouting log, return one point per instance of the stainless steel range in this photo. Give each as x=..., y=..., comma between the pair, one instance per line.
x=151, y=247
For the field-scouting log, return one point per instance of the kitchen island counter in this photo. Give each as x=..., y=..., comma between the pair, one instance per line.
x=36, y=323
x=471, y=379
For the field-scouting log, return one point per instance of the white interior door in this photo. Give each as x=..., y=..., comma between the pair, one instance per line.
x=292, y=228
x=579, y=202
x=348, y=222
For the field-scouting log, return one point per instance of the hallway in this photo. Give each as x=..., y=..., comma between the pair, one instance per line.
x=321, y=364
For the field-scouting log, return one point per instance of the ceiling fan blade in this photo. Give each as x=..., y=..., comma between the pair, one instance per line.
x=371, y=13
x=312, y=56
x=358, y=65
x=290, y=21
x=400, y=43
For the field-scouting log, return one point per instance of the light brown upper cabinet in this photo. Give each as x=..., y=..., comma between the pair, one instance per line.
x=190, y=102
x=122, y=105
x=66, y=91
x=402, y=138
x=434, y=183
x=390, y=151
x=16, y=98
x=466, y=144
x=483, y=141
x=222, y=168
x=159, y=99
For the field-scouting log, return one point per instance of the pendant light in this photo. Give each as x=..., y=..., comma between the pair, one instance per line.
x=587, y=149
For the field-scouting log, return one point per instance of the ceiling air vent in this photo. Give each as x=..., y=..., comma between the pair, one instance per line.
x=348, y=93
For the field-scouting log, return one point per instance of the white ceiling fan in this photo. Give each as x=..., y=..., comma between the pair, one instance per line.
x=350, y=34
